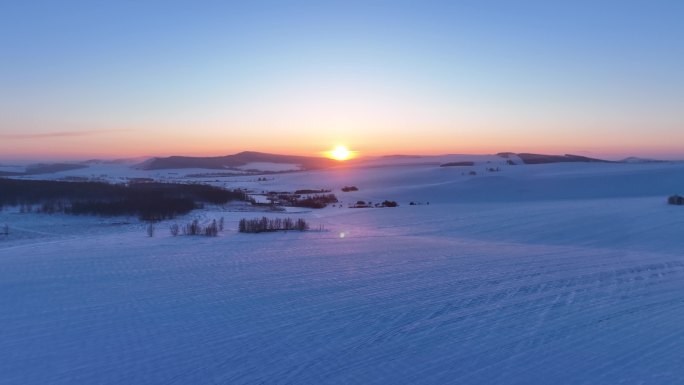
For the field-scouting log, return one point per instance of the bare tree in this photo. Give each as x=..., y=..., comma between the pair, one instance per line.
x=175, y=229
x=150, y=230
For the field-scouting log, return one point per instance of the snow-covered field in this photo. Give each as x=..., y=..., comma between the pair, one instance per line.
x=544, y=274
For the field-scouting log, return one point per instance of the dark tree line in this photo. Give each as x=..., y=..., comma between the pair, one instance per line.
x=262, y=225
x=149, y=201
x=147, y=208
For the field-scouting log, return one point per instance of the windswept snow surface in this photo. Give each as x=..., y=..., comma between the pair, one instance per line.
x=549, y=274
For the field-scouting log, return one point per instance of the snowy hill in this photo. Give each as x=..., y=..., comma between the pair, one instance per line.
x=528, y=158
x=563, y=273
x=634, y=159
x=237, y=160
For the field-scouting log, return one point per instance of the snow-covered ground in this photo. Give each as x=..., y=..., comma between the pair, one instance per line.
x=556, y=273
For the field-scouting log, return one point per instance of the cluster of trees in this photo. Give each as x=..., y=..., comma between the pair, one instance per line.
x=310, y=191
x=150, y=201
x=262, y=225
x=313, y=201
x=676, y=200
x=317, y=201
x=350, y=188
x=195, y=228
x=364, y=204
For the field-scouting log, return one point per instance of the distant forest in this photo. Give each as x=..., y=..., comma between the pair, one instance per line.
x=149, y=201
x=44, y=168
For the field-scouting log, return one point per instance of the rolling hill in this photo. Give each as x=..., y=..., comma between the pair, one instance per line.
x=236, y=160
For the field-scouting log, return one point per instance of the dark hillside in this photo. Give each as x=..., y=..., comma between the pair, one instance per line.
x=528, y=158
x=237, y=160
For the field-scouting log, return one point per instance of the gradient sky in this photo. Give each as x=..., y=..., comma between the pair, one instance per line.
x=84, y=79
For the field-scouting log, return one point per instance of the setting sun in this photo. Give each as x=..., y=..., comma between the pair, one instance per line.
x=340, y=153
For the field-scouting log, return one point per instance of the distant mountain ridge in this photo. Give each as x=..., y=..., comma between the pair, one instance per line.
x=236, y=160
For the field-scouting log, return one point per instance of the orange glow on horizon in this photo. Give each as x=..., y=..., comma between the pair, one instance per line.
x=111, y=142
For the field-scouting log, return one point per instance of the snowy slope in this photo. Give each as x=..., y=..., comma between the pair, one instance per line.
x=564, y=274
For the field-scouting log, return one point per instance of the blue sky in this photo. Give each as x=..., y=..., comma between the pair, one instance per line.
x=88, y=78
